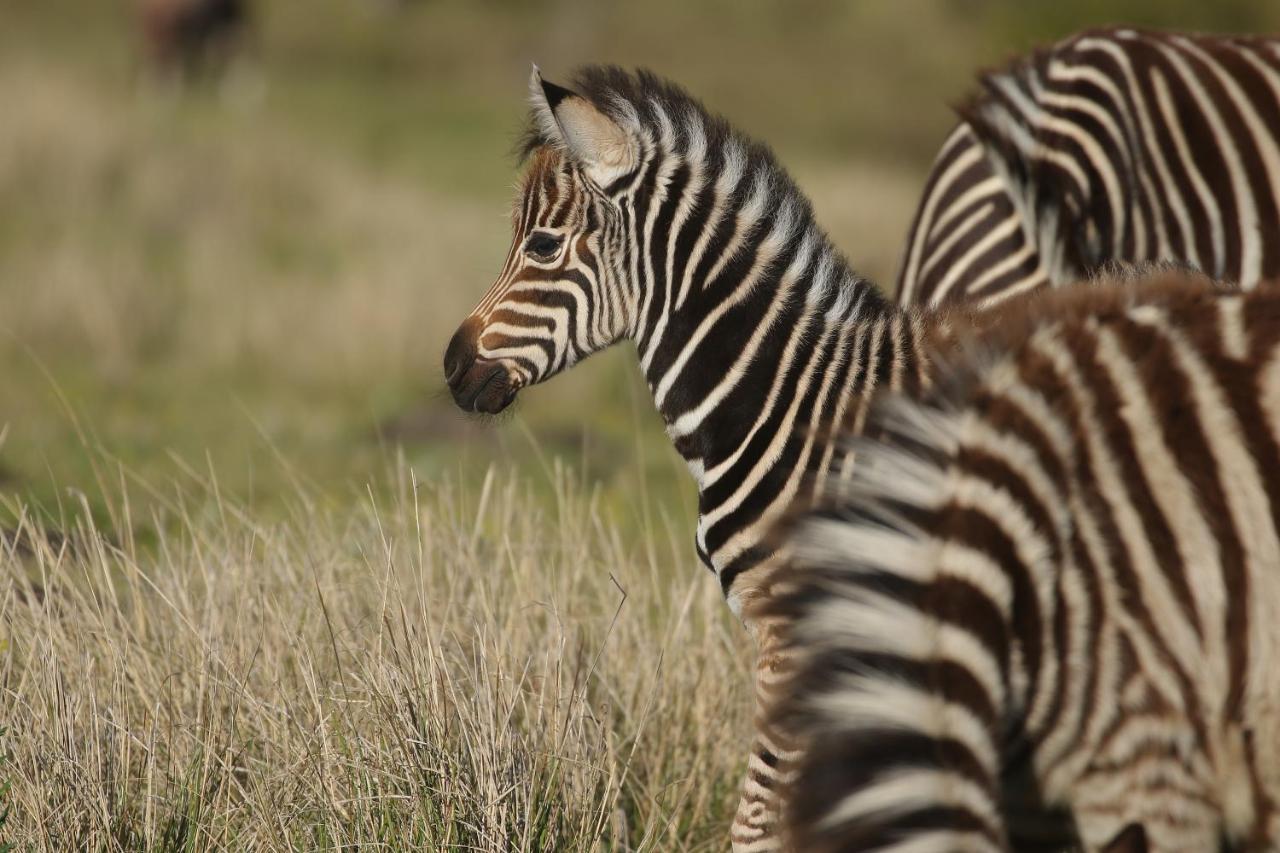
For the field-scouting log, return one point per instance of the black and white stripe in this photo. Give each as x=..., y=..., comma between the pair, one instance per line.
x=1113, y=145
x=1052, y=583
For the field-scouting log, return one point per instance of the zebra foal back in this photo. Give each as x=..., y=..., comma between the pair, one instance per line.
x=1053, y=584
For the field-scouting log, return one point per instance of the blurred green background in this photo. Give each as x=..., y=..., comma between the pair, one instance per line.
x=255, y=275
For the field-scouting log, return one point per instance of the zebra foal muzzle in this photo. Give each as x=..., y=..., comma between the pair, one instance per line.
x=477, y=384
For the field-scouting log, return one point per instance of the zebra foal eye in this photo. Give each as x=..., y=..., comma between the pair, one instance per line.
x=542, y=246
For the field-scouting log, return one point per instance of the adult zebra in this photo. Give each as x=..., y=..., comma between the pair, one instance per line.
x=1110, y=145
x=1053, y=581
x=644, y=217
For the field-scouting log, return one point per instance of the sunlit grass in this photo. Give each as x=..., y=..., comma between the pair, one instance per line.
x=450, y=669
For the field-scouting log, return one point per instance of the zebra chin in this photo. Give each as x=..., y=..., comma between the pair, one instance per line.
x=486, y=388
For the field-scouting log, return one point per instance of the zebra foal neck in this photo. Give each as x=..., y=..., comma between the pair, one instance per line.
x=1061, y=564
x=644, y=217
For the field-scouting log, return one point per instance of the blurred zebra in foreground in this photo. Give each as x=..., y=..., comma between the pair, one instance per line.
x=1052, y=581
x=1110, y=145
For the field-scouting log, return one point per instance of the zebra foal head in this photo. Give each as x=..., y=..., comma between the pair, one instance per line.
x=563, y=292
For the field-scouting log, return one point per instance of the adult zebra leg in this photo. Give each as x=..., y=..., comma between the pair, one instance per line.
x=756, y=824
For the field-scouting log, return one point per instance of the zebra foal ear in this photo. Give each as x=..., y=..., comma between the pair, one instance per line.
x=596, y=142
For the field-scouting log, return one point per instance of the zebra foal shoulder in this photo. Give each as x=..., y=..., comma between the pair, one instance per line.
x=1061, y=565
x=1112, y=145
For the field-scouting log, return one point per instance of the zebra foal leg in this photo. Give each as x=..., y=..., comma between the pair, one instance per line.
x=756, y=824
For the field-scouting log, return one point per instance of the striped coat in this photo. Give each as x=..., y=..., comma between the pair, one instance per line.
x=1053, y=582
x=1112, y=145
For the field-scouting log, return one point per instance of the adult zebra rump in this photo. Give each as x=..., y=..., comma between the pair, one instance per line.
x=1113, y=145
x=1053, y=582
x=643, y=217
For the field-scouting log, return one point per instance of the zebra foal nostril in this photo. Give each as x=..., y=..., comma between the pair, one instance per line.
x=454, y=367
x=460, y=354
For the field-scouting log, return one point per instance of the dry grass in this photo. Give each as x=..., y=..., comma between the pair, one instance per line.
x=453, y=671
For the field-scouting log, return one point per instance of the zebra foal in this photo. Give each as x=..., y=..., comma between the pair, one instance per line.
x=642, y=217
x=1052, y=582
x=1111, y=145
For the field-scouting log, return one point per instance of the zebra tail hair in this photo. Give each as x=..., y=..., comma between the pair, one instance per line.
x=892, y=747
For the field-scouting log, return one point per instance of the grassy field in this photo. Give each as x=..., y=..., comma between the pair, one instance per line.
x=448, y=669
x=261, y=586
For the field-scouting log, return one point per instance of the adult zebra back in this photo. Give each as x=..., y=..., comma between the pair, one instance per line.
x=644, y=217
x=1113, y=145
x=1053, y=582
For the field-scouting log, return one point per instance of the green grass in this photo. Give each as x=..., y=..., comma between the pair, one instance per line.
x=184, y=279
x=263, y=275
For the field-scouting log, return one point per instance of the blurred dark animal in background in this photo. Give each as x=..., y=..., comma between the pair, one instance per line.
x=193, y=39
